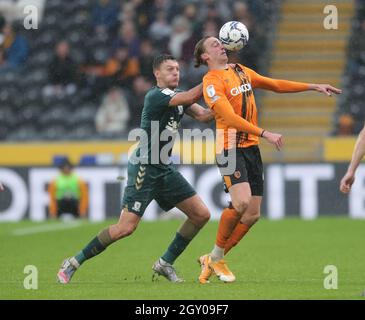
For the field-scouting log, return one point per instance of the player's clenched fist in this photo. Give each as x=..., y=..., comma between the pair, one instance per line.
x=346, y=182
x=274, y=138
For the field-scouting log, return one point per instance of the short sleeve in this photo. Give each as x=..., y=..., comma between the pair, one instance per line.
x=160, y=98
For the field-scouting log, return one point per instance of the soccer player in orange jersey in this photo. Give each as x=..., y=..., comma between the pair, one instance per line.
x=228, y=91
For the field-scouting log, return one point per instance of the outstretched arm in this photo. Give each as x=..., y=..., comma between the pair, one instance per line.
x=357, y=155
x=286, y=86
x=197, y=112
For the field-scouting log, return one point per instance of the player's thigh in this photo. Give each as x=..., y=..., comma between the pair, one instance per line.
x=255, y=170
x=173, y=189
x=195, y=209
x=140, y=189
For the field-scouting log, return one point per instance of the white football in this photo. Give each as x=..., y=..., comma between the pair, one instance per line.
x=234, y=35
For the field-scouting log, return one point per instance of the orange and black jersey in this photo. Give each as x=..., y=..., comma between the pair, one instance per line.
x=229, y=93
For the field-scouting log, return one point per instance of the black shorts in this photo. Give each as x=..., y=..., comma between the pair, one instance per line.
x=246, y=167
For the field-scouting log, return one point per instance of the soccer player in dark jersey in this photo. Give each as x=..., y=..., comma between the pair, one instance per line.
x=229, y=92
x=153, y=177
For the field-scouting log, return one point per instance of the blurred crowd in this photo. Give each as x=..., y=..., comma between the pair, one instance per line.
x=350, y=116
x=107, y=56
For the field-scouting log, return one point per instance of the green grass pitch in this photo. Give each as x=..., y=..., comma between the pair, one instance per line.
x=276, y=260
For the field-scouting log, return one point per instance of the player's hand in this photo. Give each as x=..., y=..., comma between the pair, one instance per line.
x=327, y=89
x=346, y=182
x=274, y=138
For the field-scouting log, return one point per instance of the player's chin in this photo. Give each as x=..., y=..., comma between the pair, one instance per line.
x=174, y=84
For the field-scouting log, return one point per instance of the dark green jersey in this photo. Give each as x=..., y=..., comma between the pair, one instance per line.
x=160, y=123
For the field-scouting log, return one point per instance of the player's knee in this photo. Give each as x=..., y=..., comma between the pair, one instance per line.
x=241, y=205
x=255, y=217
x=125, y=230
x=202, y=218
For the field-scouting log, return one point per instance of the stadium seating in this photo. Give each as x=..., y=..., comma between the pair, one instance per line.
x=302, y=54
x=32, y=115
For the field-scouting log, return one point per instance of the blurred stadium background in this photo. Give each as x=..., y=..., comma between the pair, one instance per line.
x=75, y=87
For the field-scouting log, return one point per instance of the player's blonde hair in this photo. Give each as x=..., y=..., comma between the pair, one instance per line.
x=198, y=51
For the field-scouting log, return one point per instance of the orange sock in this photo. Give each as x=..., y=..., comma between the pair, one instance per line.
x=227, y=224
x=238, y=233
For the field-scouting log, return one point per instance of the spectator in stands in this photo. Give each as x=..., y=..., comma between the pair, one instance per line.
x=145, y=12
x=119, y=70
x=146, y=59
x=346, y=125
x=181, y=31
x=190, y=12
x=160, y=29
x=68, y=193
x=105, y=16
x=61, y=72
x=113, y=114
x=128, y=37
x=357, y=48
x=13, y=49
x=140, y=87
x=209, y=28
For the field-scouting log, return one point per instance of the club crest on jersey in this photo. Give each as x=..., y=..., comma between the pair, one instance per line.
x=137, y=206
x=241, y=89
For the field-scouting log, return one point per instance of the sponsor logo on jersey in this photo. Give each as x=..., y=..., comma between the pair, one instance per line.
x=210, y=91
x=181, y=109
x=172, y=125
x=168, y=92
x=241, y=89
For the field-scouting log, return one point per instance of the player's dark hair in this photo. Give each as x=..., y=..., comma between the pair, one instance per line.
x=158, y=60
x=65, y=162
x=198, y=51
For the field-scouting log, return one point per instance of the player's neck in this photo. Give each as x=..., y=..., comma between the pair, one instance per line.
x=218, y=66
x=162, y=85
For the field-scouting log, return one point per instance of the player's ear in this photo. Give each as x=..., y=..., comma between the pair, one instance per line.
x=204, y=57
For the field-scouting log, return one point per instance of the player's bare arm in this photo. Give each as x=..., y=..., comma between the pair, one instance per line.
x=199, y=113
x=358, y=154
x=1, y=187
x=325, y=88
x=188, y=97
